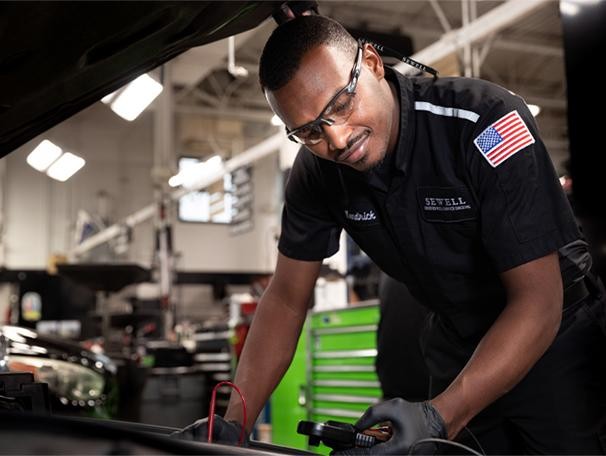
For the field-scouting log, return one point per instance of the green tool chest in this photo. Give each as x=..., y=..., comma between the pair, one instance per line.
x=341, y=372
x=332, y=376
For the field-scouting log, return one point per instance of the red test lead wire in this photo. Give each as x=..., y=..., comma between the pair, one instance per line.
x=211, y=413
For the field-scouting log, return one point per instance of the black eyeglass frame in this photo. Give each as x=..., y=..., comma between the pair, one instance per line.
x=353, y=82
x=350, y=88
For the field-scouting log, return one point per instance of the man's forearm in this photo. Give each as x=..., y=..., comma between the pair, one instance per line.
x=268, y=351
x=518, y=338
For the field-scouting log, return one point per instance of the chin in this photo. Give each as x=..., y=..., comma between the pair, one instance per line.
x=364, y=165
x=369, y=162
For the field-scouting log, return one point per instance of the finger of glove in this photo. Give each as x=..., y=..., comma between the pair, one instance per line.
x=381, y=448
x=376, y=414
x=197, y=431
x=223, y=431
x=423, y=448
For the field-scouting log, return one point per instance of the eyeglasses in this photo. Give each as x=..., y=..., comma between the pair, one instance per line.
x=340, y=107
x=336, y=112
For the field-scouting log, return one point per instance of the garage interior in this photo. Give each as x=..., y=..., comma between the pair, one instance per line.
x=129, y=286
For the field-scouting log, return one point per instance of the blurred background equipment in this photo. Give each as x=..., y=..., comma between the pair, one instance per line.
x=80, y=382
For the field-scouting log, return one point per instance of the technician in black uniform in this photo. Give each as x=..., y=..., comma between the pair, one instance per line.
x=448, y=187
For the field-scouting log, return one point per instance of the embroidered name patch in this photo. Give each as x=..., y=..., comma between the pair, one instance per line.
x=503, y=139
x=361, y=213
x=361, y=216
x=445, y=204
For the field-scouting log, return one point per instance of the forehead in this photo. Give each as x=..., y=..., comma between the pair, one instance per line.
x=322, y=72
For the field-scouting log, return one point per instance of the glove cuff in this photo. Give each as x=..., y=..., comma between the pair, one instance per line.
x=241, y=430
x=435, y=421
x=235, y=423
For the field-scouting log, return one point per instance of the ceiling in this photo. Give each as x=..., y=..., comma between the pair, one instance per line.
x=526, y=58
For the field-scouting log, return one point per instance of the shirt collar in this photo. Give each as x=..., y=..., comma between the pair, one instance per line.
x=406, y=133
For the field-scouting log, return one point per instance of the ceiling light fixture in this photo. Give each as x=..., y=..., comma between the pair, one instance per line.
x=65, y=167
x=568, y=8
x=43, y=155
x=132, y=100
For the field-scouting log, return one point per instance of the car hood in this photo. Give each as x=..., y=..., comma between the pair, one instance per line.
x=57, y=58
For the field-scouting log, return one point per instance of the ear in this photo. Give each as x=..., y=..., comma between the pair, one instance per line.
x=373, y=61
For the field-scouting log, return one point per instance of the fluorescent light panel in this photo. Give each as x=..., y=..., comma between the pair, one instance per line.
x=108, y=98
x=136, y=97
x=65, y=167
x=43, y=155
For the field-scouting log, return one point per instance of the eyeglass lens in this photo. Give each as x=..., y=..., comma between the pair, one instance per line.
x=336, y=113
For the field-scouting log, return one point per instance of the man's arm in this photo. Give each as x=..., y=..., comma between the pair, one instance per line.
x=517, y=339
x=272, y=338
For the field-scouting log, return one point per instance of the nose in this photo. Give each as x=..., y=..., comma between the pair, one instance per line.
x=336, y=136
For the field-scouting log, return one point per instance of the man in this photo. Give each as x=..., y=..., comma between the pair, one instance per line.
x=447, y=186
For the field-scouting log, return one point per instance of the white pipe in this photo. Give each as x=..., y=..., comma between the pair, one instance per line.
x=496, y=19
x=235, y=71
x=266, y=147
x=253, y=154
x=466, y=20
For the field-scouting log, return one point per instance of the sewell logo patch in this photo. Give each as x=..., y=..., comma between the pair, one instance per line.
x=445, y=204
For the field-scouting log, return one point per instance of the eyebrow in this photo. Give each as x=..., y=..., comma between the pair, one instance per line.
x=331, y=98
x=359, y=56
x=321, y=112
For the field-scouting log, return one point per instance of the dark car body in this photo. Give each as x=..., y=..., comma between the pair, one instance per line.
x=57, y=58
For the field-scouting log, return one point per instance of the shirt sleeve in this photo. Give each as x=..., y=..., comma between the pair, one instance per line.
x=309, y=232
x=524, y=213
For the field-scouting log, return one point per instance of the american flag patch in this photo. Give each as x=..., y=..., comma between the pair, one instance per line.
x=504, y=138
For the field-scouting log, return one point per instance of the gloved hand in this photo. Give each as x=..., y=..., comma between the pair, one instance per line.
x=410, y=422
x=226, y=432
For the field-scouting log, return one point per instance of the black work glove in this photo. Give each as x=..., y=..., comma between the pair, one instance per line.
x=410, y=422
x=226, y=432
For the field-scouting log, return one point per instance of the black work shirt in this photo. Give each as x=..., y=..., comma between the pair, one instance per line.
x=450, y=216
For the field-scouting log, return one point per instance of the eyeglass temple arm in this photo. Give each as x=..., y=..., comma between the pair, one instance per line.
x=407, y=60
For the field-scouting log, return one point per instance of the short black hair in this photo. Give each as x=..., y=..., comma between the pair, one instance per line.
x=290, y=41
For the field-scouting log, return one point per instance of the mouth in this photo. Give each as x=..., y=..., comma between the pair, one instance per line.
x=355, y=152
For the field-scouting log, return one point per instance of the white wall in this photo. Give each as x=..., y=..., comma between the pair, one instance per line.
x=40, y=213
x=213, y=248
